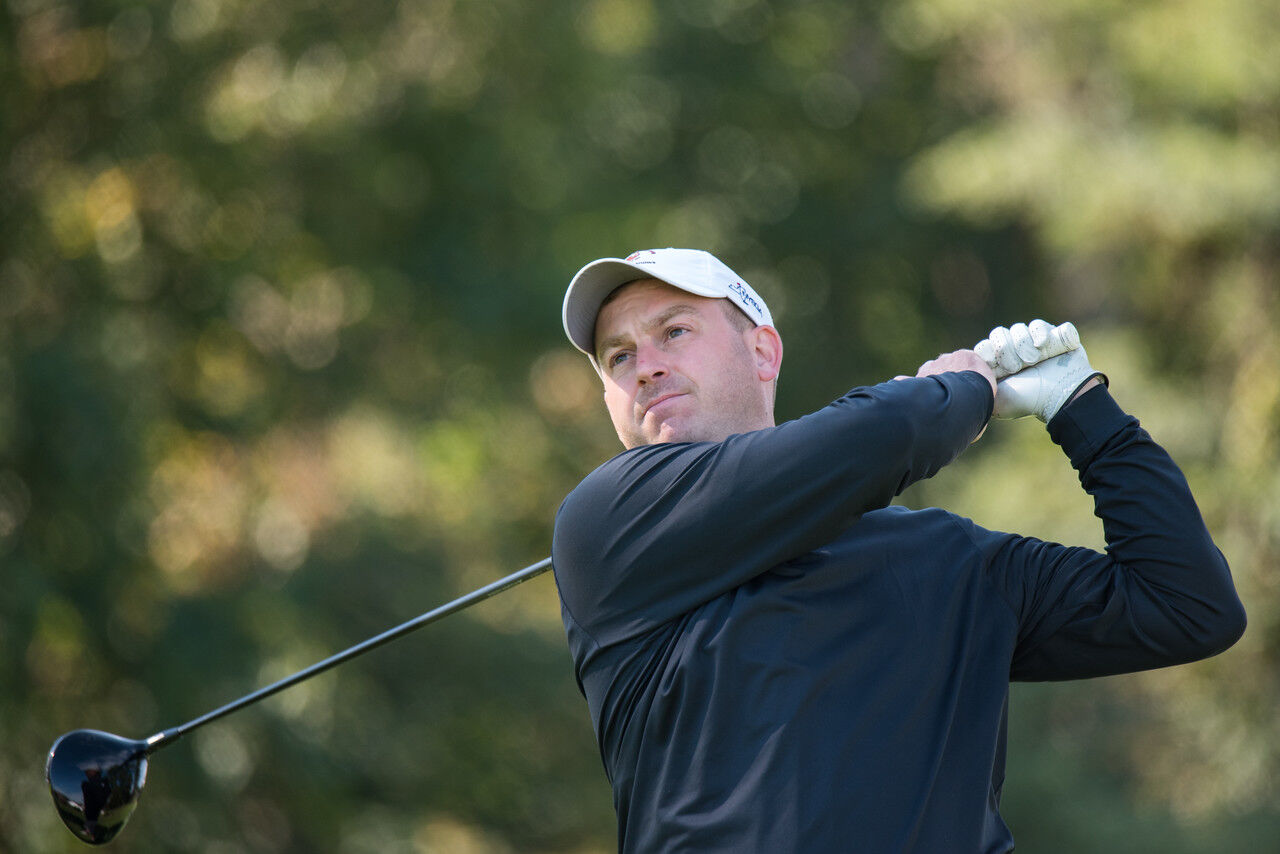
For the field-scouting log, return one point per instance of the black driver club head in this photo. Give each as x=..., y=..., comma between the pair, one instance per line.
x=95, y=778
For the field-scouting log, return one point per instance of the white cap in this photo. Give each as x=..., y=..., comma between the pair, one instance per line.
x=692, y=270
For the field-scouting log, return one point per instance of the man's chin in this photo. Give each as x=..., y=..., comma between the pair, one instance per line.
x=660, y=434
x=647, y=437
x=675, y=430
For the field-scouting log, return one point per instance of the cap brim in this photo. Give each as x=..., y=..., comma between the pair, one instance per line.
x=592, y=284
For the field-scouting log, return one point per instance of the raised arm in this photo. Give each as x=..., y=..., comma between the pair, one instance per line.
x=1161, y=595
x=661, y=529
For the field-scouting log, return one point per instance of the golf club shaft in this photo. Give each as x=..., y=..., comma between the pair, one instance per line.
x=163, y=738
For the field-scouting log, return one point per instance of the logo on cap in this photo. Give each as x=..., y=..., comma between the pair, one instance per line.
x=747, y=299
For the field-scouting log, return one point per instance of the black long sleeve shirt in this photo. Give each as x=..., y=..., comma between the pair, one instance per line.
x=777, y=660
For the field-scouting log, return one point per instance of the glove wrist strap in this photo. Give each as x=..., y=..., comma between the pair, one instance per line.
x=1071, y=390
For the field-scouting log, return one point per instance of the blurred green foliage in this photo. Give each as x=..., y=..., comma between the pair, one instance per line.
x=281, y=366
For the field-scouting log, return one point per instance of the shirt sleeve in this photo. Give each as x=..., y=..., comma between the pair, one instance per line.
x=661, y=529
x=1162, y=593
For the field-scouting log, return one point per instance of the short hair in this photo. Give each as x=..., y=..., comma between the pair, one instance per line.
x=739, y=318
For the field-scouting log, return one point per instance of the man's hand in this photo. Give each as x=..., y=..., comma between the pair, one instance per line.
x=1034, y=380
x=960, y=360
x=1022, y=345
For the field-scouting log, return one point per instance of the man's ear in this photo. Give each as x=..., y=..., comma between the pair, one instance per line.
x=766, y=346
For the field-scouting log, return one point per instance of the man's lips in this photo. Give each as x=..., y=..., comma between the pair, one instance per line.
x=660, y=400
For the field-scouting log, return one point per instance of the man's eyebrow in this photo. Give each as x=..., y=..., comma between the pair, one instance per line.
x=662, y=319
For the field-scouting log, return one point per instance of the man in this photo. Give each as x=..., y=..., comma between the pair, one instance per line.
x=775, y=659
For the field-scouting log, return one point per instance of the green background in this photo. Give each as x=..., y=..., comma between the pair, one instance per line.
x=281, y=366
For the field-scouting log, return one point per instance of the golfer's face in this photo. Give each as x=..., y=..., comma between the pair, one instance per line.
x=675, y=369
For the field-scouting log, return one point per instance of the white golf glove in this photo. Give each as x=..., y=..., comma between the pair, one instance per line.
x=1022, y=345
x=1038, y=367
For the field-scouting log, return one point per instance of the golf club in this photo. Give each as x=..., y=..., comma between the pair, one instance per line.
x=95, y=777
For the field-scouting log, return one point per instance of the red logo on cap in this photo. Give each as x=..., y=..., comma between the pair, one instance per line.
x=634, y=255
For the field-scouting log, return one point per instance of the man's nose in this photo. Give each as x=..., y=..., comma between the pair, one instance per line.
x=651, y=363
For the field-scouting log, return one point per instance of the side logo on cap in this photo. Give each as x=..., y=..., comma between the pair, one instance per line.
x=634, y=255
x=741, y=290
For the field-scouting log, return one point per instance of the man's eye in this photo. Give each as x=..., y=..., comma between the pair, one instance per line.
x=676, y=331
x=617, y=359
